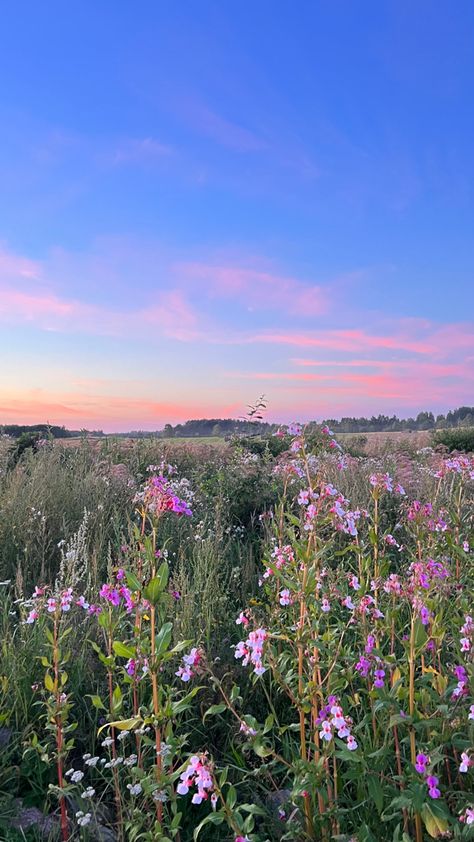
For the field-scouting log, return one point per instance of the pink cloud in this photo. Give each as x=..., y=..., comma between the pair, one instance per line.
x=256, y=288
x=16, y=266
x=353, y=340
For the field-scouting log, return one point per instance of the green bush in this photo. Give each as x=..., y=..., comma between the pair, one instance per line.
x=461, y=439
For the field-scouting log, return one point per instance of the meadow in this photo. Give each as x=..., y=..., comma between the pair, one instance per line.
x=237, y=643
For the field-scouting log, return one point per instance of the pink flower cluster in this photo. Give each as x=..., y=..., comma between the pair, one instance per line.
x=159, y=497
x=332, y=719
x=61, y=602
x=197, y=773
x=117, y=595
x=187, y=670
x=280, y=557
x=251, y=650
x=467, y=634
x=384, y=482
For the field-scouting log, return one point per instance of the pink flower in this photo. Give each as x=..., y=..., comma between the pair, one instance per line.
x=351, y=743
x=465, y=762
x=326, y=731
x=325, y=606
x=347, y=602
x=32, y=616
x=432, y=784
x=285, y=597
x=422, y=761
x=242, y=619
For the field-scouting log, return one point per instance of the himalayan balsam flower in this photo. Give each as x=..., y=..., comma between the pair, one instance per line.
x=196, y=774
x=422, y=761
x=251, y=650
x=285, y=597
x=187, y=669
x=465, y=762
x=432, y=783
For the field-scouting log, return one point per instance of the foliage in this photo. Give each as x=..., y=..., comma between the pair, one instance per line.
x=461, y=439
x=281, y=664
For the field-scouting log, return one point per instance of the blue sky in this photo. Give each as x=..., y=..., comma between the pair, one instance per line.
x=206, y=202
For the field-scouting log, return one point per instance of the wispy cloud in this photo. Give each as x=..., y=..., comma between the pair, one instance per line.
x=223, y=131
x=255, y=288
x=140, y=151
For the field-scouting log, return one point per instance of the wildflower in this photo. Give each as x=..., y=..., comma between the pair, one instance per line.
x=468, y=816
x=135, y=789
x=465, y=762
x=422, y=761
x=285, y=597
x=362, y=666
x=131, y=760
x=247, y=730
x=424, y=615
x=32, y=616
x=88, y=793
x=251, y=650
x=107, y=742
x=379, y=675
x=347, y=602
x=242, y=619
x=326, y=731
x=75, y=775
x=354, y=583
x=91, y=761
x=197, y=773
x=51, y=605
x=471, y=712
x=370, y=643
x=325, y=606
x=83, y=819
x=351, y=743
x=186, y=670
x=432, y=784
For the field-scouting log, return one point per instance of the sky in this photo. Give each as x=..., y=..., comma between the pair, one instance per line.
x=204, y=202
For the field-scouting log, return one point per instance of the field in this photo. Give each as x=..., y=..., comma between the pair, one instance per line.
x=204, y=642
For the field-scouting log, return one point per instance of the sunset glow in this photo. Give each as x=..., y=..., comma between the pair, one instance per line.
x=186, y=224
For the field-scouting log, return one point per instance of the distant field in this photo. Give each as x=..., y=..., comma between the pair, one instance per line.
x=375, y=443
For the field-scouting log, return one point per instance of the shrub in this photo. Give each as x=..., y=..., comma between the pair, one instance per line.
x=461, y=439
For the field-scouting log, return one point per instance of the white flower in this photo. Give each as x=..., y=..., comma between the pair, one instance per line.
x=77, y=776
x=135, y=789
x=89, y=792
x=107, y=742
x=123, y=735
x=91, y=761
x=83, y=819
x=130, y=761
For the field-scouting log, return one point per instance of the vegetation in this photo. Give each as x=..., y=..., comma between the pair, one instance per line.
x=238, y=643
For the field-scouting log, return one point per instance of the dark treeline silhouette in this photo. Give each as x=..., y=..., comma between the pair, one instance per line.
x=226, y=427
x=47, y=430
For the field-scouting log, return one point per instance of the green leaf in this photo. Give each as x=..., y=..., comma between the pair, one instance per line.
x=163, y=639
x=122, y=724
x=214, y=710
x=133, y=583
x=156, y=586
x=97, y=702
x=212, y=818
x=121, y=650
x=49, y=683
x=375, y=792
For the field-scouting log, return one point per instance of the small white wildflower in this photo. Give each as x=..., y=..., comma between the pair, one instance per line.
x=135, y=789
x=83, y=819
x=130, y=761
x=92, y=761
x=86, y=756
x=77, y=776
x=107, y=742
x=160, y=795
x=69, y=773
x=89, y=792
x=123, y=735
